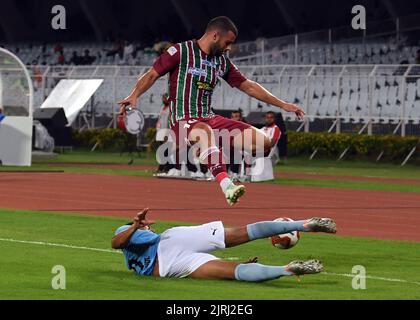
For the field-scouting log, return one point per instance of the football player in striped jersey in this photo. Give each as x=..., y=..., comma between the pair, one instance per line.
x=195, y=67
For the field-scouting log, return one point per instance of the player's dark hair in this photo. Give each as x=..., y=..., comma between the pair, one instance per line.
x=129, y=224
x=270, y=112
x=223, y=24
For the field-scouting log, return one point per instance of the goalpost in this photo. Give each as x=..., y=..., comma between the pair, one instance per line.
x=16, y=101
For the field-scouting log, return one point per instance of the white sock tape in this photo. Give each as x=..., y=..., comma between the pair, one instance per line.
x=206, y=153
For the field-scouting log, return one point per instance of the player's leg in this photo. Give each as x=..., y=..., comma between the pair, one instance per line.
x=245, y=137
x=190, y=246
x=216, y=270
x=252, y=141
x=203, y=138
x=253, y=272
x=264, y=229
x=242, y=137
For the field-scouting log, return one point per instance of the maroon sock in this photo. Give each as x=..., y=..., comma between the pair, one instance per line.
x=215, y=169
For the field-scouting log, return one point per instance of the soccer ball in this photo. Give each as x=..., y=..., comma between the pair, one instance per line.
x=286, y=240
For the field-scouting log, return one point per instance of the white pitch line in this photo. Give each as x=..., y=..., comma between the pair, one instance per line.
x=347, y=275
x=59, y=245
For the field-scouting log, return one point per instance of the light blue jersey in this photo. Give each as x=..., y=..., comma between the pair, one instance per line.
x=141, y=250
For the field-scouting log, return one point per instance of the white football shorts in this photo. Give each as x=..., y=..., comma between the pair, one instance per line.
x=182, y=250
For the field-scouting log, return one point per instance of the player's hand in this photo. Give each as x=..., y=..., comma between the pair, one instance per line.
x=290, y=107
x=252, y=260
x=140, y=220
x=129, y=101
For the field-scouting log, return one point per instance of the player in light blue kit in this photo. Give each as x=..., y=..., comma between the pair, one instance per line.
x=184, y=251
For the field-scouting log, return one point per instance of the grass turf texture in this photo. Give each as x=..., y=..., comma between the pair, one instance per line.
x=26, y=268
x=342, y=184
x=99, y=157
x=349, y=168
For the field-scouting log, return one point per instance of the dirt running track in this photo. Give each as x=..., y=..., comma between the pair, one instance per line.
x=386, y=215
x=309, y=176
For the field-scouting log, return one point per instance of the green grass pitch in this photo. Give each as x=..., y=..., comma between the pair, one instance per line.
x=392, y=266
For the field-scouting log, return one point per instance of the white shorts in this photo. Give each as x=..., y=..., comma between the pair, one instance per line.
x=182, y=250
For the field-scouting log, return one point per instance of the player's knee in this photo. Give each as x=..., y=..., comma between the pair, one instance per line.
x=201, y=132
x=202, y=126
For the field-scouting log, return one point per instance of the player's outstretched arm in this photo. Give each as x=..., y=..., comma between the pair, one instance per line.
x=258, y=92
x=143, y=84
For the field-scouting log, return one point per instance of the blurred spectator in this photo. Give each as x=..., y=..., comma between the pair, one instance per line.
x=75, y=59
x=128, y=51
x=262, y=169
x=271, y=129
x=163, y=123
x=87, y=59
x=58, y=48
x=44, y=48
x=98, y=56
x=237, y=115
x=118, y=49
x=43, y=52
x=61, y=58
x=163, y=119
x=414, y=73
x=283, y=141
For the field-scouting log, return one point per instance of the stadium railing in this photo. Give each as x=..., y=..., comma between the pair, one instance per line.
x=366, y=95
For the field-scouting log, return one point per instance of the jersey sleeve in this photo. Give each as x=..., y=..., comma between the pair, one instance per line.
x=276, y=134
x=233, y=76
x=140, y=237
x=168, y=60
x=143, y=237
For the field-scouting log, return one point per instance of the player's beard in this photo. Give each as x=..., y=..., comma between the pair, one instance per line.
x=216, y=50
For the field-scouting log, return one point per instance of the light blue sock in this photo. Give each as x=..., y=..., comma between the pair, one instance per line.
x=267, y=229
x=256, y=272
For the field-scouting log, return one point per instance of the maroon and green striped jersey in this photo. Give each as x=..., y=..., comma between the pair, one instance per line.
x=193, y=75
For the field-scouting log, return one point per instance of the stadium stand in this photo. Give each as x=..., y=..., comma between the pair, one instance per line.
x=357, y=81
x=386, y=52
x=100, y=53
